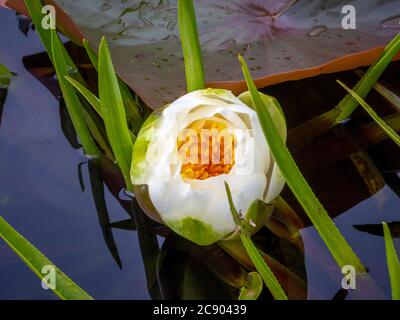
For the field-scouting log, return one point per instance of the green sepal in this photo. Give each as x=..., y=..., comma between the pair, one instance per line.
x=276, y=113
x=195, y=230
x=140, y=146
x=257, y=215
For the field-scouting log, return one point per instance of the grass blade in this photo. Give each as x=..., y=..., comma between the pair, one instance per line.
x=65, y=288
x=315, y=127
x=385, y=92
x=253, y=288
x=65, y=66
x=132, y=109
x=393, y=263
x=337, y=245
x=72, y=101
x=89, y=96
x=5, y=76
x=5, y=79
x=190, y=45
x=35, y=11
x=113, y=112
x=99, y=135
x=389, y=131
x=348, y=104
x=262, y=268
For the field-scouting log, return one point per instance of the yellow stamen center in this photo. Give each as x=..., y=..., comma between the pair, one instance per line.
x=206, y=149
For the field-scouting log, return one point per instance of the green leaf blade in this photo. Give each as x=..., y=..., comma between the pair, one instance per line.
x=337, y=245
x=5, y=76
x=65, y=288
x=74, y=106
x=132, y=108
x=393, y=263
x=35, y=11
x=262, y=268
x=367, y=82
x=89, y=96
x=384, y=126
x=190, y=45
x=113, y=112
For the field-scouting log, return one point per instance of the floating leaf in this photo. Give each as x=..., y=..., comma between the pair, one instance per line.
x=35, y=260
x=283, y=40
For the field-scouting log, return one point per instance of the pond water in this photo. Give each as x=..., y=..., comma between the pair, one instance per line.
x=41, y=196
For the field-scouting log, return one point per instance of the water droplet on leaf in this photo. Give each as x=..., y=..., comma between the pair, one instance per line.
x=126, y=195
x=316, y=31
x=227, y=44
x=106, y=6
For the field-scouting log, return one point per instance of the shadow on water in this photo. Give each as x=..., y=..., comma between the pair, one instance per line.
x=76, y=212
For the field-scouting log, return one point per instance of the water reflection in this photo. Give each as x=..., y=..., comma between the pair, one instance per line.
x=72, y=208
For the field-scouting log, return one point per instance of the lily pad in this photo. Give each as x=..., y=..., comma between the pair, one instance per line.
x=281, y=40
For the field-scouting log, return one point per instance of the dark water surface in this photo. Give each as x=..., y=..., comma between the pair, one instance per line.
x=41, y=197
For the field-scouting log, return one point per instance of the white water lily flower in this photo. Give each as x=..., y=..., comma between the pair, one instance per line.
x=190, y=197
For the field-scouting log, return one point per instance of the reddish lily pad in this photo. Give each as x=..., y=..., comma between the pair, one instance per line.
x=281, y=40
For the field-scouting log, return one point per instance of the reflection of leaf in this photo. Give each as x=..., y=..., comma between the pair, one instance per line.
x=24, y=24
x=292, y=283
x=149, y=248
x=101, y=208
x=285, y=223
x=185, y=272
x=377, y=229
x=67, y=127
x=128, y=224
x=305, y=40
